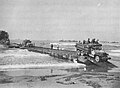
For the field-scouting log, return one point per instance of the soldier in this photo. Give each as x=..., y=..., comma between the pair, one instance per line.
x=93, y=40
x=83, y=41
x=57, y=46
x=88, y=40
x=80, y=42
x=97, y=41
x=51, y=46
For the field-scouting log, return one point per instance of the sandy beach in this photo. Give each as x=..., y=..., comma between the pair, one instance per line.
x=23, y=69
x=58, y=78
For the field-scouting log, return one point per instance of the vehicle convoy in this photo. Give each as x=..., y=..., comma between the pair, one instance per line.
x=87, y=52
x=92, y=51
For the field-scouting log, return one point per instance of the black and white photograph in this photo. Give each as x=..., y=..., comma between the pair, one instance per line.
x=59, y=43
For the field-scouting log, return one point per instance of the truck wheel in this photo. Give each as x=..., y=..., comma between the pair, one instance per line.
x=97, y=58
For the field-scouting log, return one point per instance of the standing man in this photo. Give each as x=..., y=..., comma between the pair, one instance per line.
x=97, y=41
x=58, y=46
x=51, y=46
x=93, y=41
x=83, y=41
x=88, y=40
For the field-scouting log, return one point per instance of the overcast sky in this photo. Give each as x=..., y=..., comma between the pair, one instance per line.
x=61, y=19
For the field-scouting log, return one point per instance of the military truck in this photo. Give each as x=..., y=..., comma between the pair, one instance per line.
x=93, y=52
x=27, y=43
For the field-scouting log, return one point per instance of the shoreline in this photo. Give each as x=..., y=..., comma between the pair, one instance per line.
x=57, y=78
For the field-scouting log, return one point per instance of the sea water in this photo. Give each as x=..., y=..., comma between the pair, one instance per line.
x=20, y=67
x=20, y=59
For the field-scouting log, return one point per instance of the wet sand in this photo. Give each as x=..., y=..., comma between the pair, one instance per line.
x=37, y=78
x=59, y=78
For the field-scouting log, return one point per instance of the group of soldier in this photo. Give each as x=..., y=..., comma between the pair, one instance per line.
x=93, y=41
x=90, y=51
x=52, y=46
